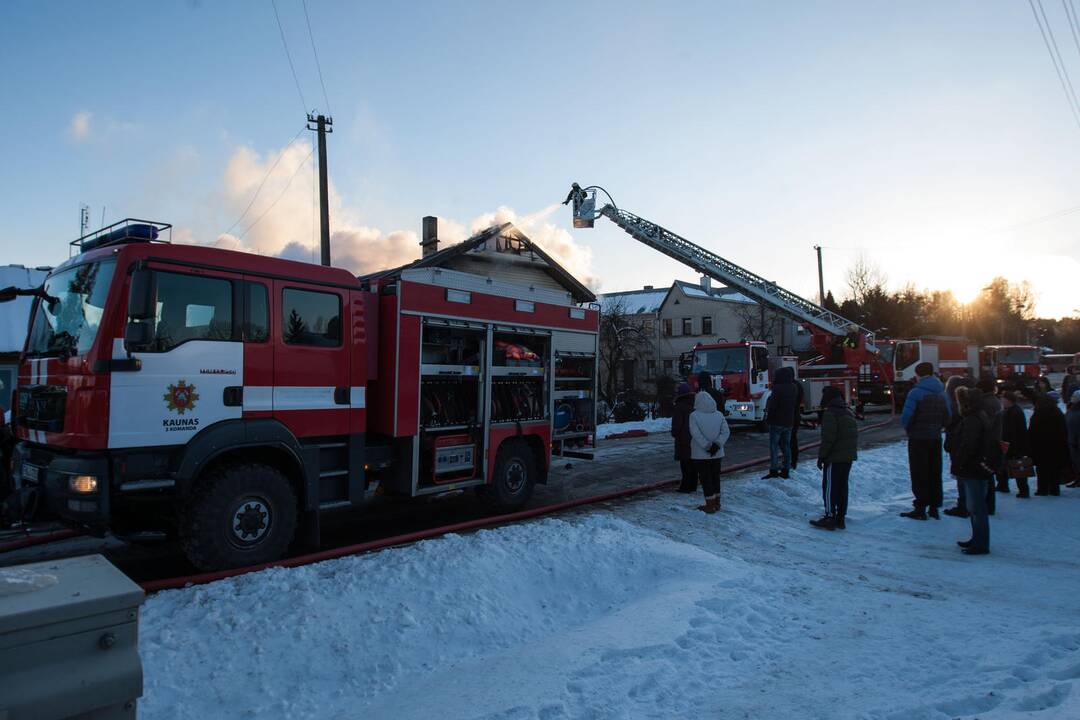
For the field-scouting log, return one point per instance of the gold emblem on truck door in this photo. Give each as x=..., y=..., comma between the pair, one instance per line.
x=181, y=397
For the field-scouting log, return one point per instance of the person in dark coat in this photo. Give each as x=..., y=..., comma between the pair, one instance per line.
x=799, y=397
x=1072, y=426
x=837, y=452
x=973, y=469
x=1049, y=444
x=991, y=406
x=705, y=384
x=1014, y=433
x=680, y=432
x=924, y=417
x=1068, y=387
x=780, y=416
x=952, y=439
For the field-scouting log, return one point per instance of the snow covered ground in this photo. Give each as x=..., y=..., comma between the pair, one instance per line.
x=652, y=425
x=651, y=611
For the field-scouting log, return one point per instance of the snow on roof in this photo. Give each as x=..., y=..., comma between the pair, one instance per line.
x=724, y=294
x=635, y=302
x=15, y=314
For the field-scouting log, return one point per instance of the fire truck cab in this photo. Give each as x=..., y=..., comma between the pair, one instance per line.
x=1011, y=366
x=895, y=374
x=741, y=370
x=228, y=399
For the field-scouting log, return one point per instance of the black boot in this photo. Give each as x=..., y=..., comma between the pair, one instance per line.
x=785, y=474
x=826, y=522
x=964, y=543
x=956, y=512
x=838, y=522
x=772, y=474
x=914, y=514
x=932, y=512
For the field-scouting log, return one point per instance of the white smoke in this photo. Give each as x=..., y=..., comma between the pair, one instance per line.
x=280, y=222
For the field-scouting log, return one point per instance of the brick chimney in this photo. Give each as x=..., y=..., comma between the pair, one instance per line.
x=706, y=283
x=648, y=287
x=429, y=238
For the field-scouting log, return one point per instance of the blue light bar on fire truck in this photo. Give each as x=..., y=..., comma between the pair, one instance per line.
x=128, y=230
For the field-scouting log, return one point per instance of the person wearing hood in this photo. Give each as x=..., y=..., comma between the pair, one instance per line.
x=780, y=417
x=974, y=467
x=1048, y=437
x=708, y=434
x=1072, y=426
x=837, y=452
x=680, y=431
x=952, y=439
x=924, y=416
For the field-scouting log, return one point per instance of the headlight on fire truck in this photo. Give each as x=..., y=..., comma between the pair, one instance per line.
x=742, y=407
x=82, y=484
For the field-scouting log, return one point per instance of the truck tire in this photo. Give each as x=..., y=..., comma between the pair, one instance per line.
x=238, y=514
x=513, y=479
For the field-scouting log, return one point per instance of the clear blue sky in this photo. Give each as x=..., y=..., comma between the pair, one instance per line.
x=917, y=133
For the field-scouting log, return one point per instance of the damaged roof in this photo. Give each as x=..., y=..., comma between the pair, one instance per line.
x=504, y=238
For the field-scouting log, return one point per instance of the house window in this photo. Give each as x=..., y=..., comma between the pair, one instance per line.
x=706, y=325
x=688, y=326
x=458, y=296
x=667, y=327
x=650, y=368
x=524, y=306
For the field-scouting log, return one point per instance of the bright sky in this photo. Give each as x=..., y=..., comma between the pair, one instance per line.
x=927, y=135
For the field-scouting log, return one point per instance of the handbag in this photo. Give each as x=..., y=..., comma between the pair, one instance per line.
x=1021, y=468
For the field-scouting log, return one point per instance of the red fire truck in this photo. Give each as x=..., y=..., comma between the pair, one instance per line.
x=895, y=375
x=228, y=399
x=1011, y=366
x=740, y=369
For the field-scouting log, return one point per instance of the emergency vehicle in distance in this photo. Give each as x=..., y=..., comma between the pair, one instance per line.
x=227, y=399
x=1011, y=366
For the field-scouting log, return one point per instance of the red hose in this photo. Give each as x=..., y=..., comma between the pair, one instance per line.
x=31, y=540
x=200, y=579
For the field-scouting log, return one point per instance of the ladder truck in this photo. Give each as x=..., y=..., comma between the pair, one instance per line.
x=742, y=369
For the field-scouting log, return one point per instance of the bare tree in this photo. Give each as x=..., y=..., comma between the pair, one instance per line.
x=756, y=322
x=623, y=337
x=863, y=278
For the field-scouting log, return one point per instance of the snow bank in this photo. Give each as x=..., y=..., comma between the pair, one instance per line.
x=660, y=612
x=652, y=425
x=326, y=640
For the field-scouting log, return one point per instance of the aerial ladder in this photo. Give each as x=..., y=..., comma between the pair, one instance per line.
x=845, y=348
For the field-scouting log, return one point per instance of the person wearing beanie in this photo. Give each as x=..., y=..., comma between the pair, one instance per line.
x=680, y=432
x=708, y=434
x=1072, y=424
x=837, y=452
x=924, y=417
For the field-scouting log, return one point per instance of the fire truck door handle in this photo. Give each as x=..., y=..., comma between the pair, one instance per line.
x=341, y=396
x=233, y=396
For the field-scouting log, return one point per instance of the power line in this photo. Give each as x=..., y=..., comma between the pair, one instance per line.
x=281, y=195
x=265, y=178
x=1070, y=13
x=288, y=55
x=1051, y=47
x=315, y=52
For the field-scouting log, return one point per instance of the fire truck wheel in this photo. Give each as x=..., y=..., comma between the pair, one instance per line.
x=514, y=477
x=238, y=514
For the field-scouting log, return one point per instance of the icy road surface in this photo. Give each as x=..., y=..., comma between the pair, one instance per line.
x=656, y=611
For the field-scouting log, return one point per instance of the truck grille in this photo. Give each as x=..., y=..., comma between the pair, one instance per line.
x=41, y=407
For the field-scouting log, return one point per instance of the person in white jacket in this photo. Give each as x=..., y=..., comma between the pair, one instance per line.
x=708, y=434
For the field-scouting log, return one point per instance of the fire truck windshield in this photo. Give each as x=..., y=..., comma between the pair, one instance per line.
x=720, y=361
x=66, y=320
x=1017, y=356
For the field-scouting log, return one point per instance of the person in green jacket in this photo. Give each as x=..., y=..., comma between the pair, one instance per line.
x=839, y=449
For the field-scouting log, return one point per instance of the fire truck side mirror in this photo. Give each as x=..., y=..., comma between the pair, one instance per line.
x=138, y=335
x=142, y=297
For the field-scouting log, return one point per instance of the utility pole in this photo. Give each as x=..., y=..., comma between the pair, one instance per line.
x=323, y=125
x=820, y=278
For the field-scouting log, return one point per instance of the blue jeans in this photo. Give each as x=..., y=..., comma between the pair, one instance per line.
x=779, y=444
x=975, y=496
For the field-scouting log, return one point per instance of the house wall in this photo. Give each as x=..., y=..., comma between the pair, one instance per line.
x=679, y=306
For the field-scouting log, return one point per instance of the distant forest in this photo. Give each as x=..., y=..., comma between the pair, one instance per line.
x=1003, y=312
